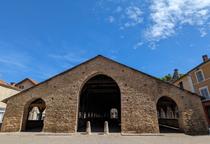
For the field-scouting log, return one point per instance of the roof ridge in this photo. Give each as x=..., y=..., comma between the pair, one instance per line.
x=31, y=80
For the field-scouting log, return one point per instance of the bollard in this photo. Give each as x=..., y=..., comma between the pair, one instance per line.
x=209, y=131
x=88, y=128
x=106, y=127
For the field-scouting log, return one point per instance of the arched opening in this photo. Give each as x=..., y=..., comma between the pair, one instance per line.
x=35, y=116
x=168, y=115
x=100, y=102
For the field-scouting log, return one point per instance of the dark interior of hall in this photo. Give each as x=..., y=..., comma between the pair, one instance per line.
x=35, y=116
x=168, y=115
x=100, y=102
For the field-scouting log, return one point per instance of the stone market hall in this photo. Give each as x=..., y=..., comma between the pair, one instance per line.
x=100, y=91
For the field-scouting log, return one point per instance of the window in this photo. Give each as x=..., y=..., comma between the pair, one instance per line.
x=1, y=116
x=199, y=76
x=2, y=110
x=181, y=85
x=21, y=87
x=204, y=92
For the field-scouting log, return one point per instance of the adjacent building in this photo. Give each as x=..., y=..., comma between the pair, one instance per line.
x=197, y=80
x=7, y=90
x=25, y=84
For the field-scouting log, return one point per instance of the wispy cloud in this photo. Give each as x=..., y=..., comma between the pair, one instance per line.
x=203, y=32
x=9, y=57
x=134, y=16
x=163, y=18
x=68, y=57
x=139, y=44
x=168, y=15
x=14, y=65
x=11, y=62
x=124, y=13
x=18, y=64
x=111, y=19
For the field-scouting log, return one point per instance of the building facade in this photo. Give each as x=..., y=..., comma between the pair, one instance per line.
x=102, y=90
x=25, y=84
x=197, y=80
x=7, y=90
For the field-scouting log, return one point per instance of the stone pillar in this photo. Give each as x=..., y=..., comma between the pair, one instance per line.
x=106, y=127
x=88, y=128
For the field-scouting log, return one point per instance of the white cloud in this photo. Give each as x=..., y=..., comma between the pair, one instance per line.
x=203, y=32
x=139, y=44
x=126, y=16
x=167, y=15
x=134, y=15
x=131, y=16
x=162, y=18
x=111, y=19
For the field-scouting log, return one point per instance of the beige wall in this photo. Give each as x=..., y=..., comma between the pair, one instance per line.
x=206, y=71
x=5, y=93
x=26, y=84
x=205, y=68
x=187, y=83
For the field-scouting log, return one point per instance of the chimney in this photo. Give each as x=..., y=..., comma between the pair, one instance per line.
x=205, y=58
x=176, y=74
x=12, y=83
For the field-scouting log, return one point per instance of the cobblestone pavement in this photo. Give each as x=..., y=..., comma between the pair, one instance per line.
x=47, y=138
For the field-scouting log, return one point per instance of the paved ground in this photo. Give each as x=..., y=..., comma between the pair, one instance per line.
x=47, y=138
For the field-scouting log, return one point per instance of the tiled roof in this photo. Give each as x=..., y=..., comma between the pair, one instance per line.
x=4, y=84
x=27, y=79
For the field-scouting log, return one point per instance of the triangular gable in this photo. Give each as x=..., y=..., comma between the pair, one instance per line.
x=92, y=59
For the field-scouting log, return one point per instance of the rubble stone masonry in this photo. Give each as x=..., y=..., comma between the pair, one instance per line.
x=139, y=95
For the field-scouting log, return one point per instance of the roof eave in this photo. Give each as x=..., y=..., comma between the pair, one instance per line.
x=191, y=70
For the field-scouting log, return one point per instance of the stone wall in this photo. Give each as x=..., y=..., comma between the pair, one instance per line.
x=139, y=95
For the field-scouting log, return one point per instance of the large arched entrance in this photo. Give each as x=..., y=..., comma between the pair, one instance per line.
x=35, y=116
x=168, y=115
x=100, y=102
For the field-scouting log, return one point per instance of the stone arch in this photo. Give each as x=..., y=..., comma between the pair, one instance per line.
x=168, y=113
x=94, y=87
x=33, y=115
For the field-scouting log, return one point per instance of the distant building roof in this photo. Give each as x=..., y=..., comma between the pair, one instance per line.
x=27, y=79
x=15, y=85
x=4, y=84
x=205, y=60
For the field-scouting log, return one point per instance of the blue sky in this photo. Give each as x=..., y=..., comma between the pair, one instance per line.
x=39, y=39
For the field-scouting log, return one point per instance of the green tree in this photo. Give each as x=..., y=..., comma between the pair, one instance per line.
x=167, y=78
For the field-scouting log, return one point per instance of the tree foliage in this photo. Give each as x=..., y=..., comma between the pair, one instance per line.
x=167, y=78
